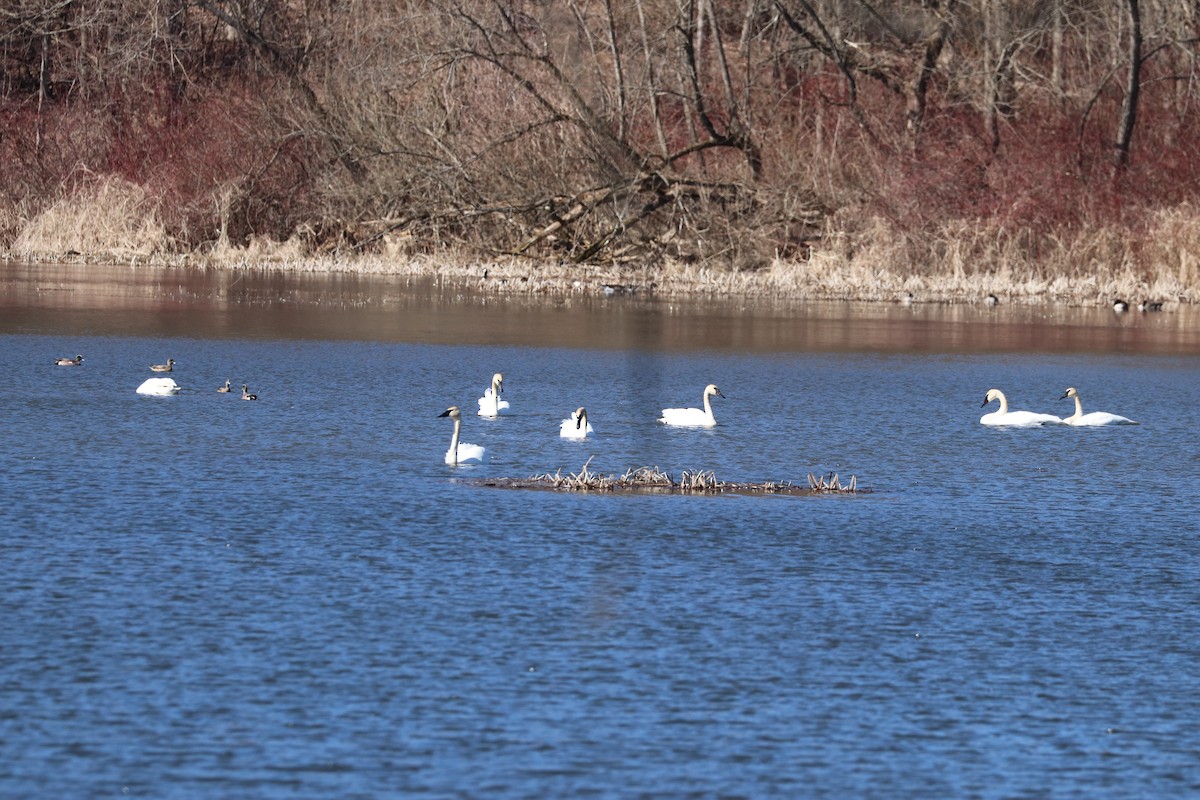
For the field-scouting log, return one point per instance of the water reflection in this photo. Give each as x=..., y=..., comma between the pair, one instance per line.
x=208, y=303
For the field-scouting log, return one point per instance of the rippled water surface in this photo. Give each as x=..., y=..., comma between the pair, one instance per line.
x=205, y=597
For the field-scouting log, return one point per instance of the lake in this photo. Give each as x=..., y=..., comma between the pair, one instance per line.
x=295, y=597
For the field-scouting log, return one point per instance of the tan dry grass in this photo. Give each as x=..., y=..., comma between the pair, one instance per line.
x=961, y=263
x=107, y=216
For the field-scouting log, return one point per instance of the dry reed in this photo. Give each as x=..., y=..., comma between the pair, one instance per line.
x=961, y=263
x=654, y=479
x=106, y=218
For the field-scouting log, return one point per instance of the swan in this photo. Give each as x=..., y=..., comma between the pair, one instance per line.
x=224, y=389
x=461, y=453
x=167, y=367
x=1082, y=420
x=490, y=405
x=576, y=426
x=159, y=386
x=1006, y=417
x=69, y=362
x=693, y=417
x=246, y=393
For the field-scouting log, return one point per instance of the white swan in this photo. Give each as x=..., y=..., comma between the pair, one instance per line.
x=490, y=405
x=158, y=386
x=576, y=426
x=461, y=453
x=693, y=417
x=1082, y=420
x=1019, y=418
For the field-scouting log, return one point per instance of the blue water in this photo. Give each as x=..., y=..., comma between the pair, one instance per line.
x=208, y=598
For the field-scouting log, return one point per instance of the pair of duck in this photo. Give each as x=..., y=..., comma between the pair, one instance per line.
x=574, y=427
x=78, y=361
x=1032, y=419
x=1120, y=306
x=227, y=387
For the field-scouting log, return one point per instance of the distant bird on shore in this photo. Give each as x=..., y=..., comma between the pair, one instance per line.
x=1146, y=305
x=224, y=389
x=167, y=367
x=246, y=393
x=991, y=300
x=1120, y=306
x=69, y=362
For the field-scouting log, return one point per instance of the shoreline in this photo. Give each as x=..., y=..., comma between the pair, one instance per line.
x=818, y=279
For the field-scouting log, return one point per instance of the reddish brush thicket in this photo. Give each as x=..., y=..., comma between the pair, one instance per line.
x=728, y=136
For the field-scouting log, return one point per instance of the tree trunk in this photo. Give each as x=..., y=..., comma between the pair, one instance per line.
x=1133, y=85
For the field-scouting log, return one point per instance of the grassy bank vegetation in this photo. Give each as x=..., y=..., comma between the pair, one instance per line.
x=1040, y=149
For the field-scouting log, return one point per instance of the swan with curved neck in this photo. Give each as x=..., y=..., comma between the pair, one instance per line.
x=693, y=417
x=461, y=453
x=1082, y=420
x=576, y=426
x=490, y=405
x=1017, y=418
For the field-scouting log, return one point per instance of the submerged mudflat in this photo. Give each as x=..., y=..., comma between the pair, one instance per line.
x=190, y=301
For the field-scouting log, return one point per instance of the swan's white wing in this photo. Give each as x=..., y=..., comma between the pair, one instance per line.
x=467, y=454
x=158, y=386
x=686, y=418
x=1097, y=419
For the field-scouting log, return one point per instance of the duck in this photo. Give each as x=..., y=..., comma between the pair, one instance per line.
x=576, y=426
x=1003, y=416
x=224, y=389
x=693, y=417
x=167, y=367
x=1147, y=305
x=1120, y=306
x=158, y=386
x=461, y=453
x=1094, y=419
x=69, y=362
x=991, y=300
x=490, y=405
x=246, y=393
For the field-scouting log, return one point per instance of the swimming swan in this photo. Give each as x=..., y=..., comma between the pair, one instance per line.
x=158, y=386
x=167, y=367
x=461, y=453
x=69, y=362
x=1019, y=418
x=693, y=417
x=576, y=426
x=490, y=405
x=1082, y=420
